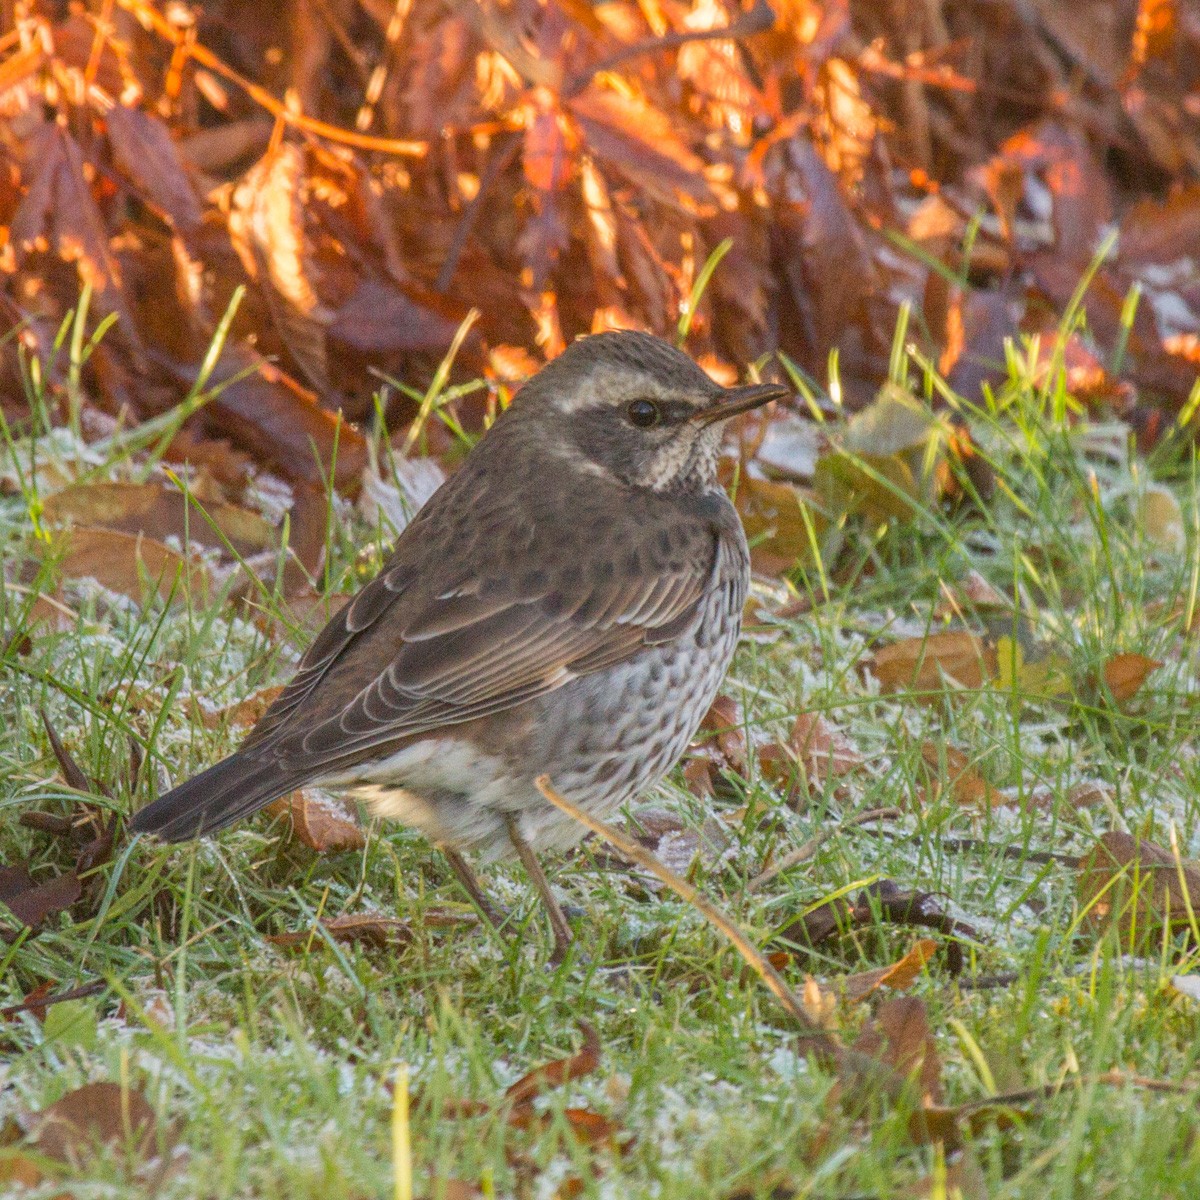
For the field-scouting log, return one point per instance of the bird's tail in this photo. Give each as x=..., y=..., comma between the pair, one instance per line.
x=233, y=788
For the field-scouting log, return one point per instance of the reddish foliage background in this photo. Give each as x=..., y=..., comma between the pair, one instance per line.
x=372, y=170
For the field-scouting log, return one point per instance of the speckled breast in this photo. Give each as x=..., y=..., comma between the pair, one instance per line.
x=606, y=737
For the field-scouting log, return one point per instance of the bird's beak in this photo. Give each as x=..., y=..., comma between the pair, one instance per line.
x=739, y=400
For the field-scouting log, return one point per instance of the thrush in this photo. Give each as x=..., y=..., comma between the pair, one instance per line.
x=567, y=604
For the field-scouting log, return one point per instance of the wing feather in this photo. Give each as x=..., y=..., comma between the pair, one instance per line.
x=413, y=653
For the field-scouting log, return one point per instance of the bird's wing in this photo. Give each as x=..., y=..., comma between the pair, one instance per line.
x=411, y=654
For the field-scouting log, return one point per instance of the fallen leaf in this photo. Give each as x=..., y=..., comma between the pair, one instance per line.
x=268, y=414
x=555, y=1074
x=927, y=664
x=95, y=1115
x=1136, y=885
x=131, y=564
x=31, y=903
x=1088, y=794
x=18, y=1168
x=638, y=139
x=971, y=592
x=887, y=462
x=900, y=975
x=1124, y=674
x=378, y=931
x=378, y=318
x=144, y=149
x=58, y=210
x=781, y=524
x=319, y=821
x=824, y=750
x=675, y=844
x=885, y=901
x=162, y=512
x=966, y=784
x=724, y=729
x=1161, y=519
x=898, y=1035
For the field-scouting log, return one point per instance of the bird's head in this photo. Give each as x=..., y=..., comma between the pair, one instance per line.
x=631, y=407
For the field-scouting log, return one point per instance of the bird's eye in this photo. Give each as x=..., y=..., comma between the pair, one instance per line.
x=643, y=413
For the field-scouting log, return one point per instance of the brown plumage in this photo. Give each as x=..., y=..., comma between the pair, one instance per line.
x=566, y=604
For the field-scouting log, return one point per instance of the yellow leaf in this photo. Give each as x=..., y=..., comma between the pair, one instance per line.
x=1161, y=518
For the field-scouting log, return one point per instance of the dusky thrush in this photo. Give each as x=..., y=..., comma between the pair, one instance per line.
x=567, y=605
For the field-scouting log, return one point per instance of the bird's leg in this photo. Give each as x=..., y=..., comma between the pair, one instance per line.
x=472, y=886
x=533, y=868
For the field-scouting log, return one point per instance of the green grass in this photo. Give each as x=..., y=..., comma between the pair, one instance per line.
x=274, y=1067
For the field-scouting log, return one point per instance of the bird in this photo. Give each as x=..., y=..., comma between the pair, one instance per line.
x=566, y=604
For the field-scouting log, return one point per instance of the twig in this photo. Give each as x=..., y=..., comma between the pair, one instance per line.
x=38, y=1002
x=869, y=1075
x=1048, y=1091
x=690, y=895
x=805, y=852
x=758, y=20
x=498, y=163
x=201, y=54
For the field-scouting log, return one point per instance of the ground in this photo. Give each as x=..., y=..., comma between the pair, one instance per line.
x=271, y=1070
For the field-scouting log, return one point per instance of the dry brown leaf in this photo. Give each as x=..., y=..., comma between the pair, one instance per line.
x=161, y=512
x=824, y=750
x=966, y=784
x=19, y=1169
x=1124, y=674
x=675, y=844
x=95, y=1115
x=972, y=591
x=1162, y=233
x=144, y=149
x=1089, y=793
x=377, y=931
x=899, y=1036
x=927, y=664
x=379, y=318
x=268, y=414
x=31, y=903
x=319, y=821
x=724, y=727
x=1138, y=886
x=900, y=975
x=774, y=517
x=638, y=138
x=131, y=564
x=58, y=212
x=562, y=1070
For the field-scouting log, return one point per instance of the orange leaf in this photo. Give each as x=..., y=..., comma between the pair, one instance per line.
x=1124, y=674
x=131, y=564
x=966, y=784
x=562, y=1070
x=899, y=975
x=319, y=821
x=824, y=749
x=923, y=664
